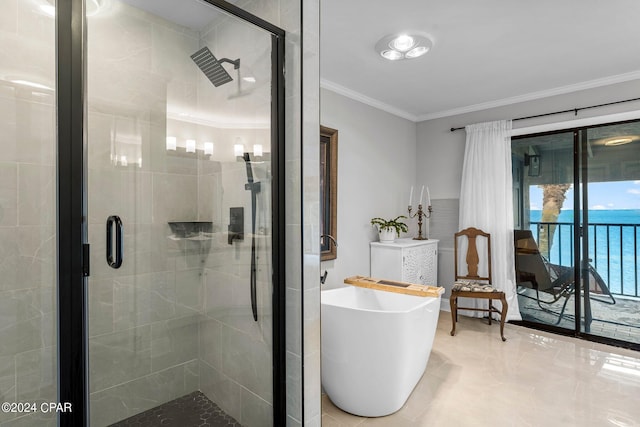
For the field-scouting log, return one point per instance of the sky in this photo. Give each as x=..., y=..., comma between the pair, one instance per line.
x=602, y=195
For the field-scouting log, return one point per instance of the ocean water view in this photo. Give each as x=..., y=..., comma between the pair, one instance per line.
x=614, y=245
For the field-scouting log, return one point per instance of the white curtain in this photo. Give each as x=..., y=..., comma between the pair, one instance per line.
x=486, y=202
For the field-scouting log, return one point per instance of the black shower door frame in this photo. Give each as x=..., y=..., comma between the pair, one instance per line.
x=73, y=250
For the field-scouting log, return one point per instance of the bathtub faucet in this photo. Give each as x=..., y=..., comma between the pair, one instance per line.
x=323, y=278
x=330, y=238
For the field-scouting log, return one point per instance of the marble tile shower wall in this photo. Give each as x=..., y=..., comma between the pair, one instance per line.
x=27, y=211
x=301, y=51
x=143, y=325
x=144, y=317
x=178, y=318
x=236, y=351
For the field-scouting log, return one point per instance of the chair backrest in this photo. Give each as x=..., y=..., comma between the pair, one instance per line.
x=530, y=265
x=472, y=258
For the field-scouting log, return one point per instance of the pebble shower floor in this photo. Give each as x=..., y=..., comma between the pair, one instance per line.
x=192, y=410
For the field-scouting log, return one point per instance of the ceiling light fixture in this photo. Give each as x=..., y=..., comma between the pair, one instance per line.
x=402, y=43
x=618, y=141
x=403, y=46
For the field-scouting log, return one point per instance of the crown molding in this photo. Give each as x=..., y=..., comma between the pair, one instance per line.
x=341, y=90
x=356, y=96
x=619, y=78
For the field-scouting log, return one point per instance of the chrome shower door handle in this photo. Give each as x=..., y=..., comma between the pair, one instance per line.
x=114, y=262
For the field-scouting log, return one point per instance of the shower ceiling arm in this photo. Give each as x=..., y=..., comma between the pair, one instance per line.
x=236, y=63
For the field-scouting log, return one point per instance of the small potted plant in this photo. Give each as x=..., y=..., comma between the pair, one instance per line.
x=389, y=229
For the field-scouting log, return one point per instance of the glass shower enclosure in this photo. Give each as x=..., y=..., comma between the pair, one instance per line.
x=28, y=312
x=167, y=215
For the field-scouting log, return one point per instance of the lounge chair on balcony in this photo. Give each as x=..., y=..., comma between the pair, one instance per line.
x=555, y=281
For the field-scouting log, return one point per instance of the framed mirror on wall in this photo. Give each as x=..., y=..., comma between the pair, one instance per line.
x=328, y=192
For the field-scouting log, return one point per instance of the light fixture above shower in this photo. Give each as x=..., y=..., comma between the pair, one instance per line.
x=238, y=149
x=172, y=143
x=224, y=149
x=396, y=47
x=48, y=7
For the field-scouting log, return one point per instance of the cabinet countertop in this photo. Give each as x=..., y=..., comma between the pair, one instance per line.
x=405, y=243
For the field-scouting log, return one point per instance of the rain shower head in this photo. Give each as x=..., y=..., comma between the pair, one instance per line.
x=211, y=67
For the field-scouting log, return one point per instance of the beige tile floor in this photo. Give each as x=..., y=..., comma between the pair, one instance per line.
x=532, y=379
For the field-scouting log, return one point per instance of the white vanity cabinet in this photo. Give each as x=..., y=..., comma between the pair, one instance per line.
x=406, y=260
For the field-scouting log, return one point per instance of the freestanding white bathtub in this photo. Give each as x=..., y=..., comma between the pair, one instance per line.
x=375, y=347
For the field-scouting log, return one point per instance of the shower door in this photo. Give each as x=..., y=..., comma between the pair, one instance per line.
x=182, y=134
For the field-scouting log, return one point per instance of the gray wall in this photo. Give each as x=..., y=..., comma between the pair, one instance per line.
x=376, y=168
x=422, y=153
x=441, y=152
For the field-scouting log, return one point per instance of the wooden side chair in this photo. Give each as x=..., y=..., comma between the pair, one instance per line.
x=472, y=285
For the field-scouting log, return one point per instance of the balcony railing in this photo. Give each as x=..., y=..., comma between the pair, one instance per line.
x=613, y=251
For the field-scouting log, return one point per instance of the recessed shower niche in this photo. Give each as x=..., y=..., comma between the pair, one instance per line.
x=192, y=230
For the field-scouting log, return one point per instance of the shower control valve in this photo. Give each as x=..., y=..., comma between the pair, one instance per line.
x=253, y=186
x=236, y=225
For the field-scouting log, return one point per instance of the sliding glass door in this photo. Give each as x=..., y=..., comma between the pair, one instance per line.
x=610, y=226
x=577, y=204
x=545, y=216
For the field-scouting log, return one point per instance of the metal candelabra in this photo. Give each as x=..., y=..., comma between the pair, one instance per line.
x=420, y=213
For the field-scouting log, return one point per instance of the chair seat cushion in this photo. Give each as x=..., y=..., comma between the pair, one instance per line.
x=471, y=286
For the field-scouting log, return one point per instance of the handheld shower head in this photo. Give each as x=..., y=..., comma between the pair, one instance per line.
x=210, y=66
x=247, y=161
x=254, y=187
